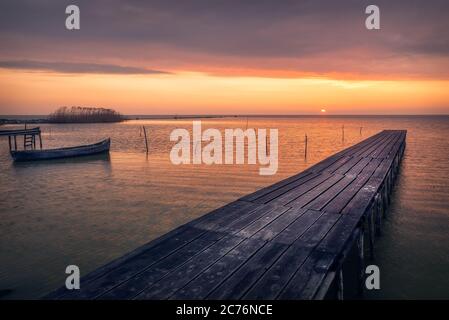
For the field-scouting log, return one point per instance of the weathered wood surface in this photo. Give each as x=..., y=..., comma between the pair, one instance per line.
x=285, y=241
x=19, y=132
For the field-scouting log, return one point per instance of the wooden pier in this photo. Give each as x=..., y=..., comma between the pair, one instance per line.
x=29, y=137
x=292, y=240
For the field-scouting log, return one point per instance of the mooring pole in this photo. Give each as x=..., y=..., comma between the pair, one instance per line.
x=340, y=284
x=266, y=144
x=9, y=141
x=361, y=254
x=146, y=140
x=305, y=146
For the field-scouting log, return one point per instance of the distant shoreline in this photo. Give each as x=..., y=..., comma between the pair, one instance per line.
x=36, y=119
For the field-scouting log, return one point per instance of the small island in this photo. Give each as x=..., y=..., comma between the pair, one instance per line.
x=84, y=115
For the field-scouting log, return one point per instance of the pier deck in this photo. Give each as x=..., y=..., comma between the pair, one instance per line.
x=286, y=241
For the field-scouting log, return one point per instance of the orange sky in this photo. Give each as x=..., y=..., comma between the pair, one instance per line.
x=226, y=57
x=198, y=93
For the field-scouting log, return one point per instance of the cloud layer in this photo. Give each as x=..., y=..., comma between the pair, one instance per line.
x=67, y=67
x=263, y=37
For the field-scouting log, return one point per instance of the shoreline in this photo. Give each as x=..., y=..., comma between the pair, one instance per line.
x=20, y=119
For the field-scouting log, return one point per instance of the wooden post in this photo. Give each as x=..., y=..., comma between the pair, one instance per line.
x=40, y=140
x=377, y=201
x=371, y=231
x=340, y=293
x=343, y=133
x=9, y=141
x=34, y=142
x=361, y=251
x=246, y=123
x=266, y=144
x=361, y=130
x=15, y=143
x=146, y=140
x=305, y=147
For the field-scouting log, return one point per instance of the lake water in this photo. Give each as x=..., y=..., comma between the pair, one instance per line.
x=89, y=211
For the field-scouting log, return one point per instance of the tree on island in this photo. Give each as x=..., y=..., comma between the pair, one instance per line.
x=84, y=115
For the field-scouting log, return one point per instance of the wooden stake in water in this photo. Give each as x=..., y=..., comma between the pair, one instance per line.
x=361, y=130
x=146, y=140
x=266, y=144
x=305, y=146
x=343, y=133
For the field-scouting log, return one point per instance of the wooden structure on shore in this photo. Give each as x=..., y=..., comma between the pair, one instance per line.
x=295, y=239
x=29, y=137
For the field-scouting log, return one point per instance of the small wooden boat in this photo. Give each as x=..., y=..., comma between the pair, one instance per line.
x=86, y=150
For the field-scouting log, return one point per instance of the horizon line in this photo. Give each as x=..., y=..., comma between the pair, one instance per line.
x=255, y=115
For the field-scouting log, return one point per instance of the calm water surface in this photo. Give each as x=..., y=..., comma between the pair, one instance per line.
x=89, y=211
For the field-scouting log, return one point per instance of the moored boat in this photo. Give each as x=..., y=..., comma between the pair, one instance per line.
x=68, y=152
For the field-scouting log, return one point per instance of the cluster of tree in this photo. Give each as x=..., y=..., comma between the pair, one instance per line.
x=84, y=115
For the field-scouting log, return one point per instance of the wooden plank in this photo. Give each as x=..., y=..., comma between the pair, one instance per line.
x=258, y=224
x=354, y=161
x=134, y=265
x=266, y=190
x=307, y=197
x=303, y=188
x=366, y=144
x=240, y=281
x=298, y=227
x=355, y=170
x=225, y=213
x=243, y=221
x=337, y=204
x=387, y=145
x=389, y=148
x=379, y=147
x=383, y=137
x=279, y=274
x=361, y=145
x=20, y=132
x=277, y=226
x=154, y=273
x=216, y=274
x=177, y=279
x=324, y=198
x=365, y=196
x=317, y=168
x=306, y=281
x=401, y=142
x=339, y=236
x=280, y=191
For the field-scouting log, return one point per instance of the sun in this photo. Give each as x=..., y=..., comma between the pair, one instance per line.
x=323, y=110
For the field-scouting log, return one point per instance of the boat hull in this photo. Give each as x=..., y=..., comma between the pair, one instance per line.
x=87, y=150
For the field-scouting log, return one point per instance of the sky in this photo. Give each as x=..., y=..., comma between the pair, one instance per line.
x=225, y=57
